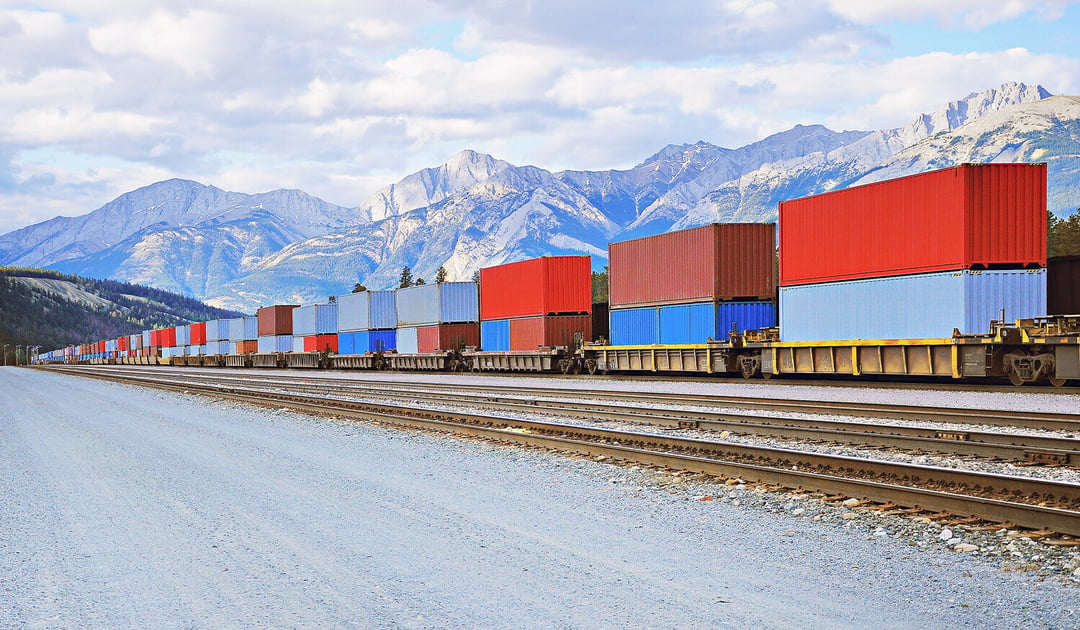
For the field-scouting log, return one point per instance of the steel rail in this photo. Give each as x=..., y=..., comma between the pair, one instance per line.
x=1023, y=501
x=1004, y=446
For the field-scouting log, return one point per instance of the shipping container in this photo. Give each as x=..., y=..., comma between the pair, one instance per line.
x=326, y=319
x=699, y=323
x=321, y=343
x=495, y=335
x=121, y=343
x=407, y=342
x=1063, y=285
x=275, y=343
x=147, y=339
x=721, y=261
x=197, y=334
x=367, y=310
x=245, y=347
x=359, y=342
x=183, y=335
x=530, y=333
x=923, y=306
x=276, y=320
x=970, y=216
x=444, y=337
x=541, y=286
x=236, y=329
x=217, y=330
x=634, y=326
x=217, y=347
x=303, y=321
x=444, y=302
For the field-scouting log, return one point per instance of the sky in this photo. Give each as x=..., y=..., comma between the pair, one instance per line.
x=342, y=97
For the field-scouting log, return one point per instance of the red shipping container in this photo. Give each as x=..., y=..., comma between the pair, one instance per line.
x=530, y=333
x=541, y=286
x=320, y=343
x=447, y=337
x=101, y=347
x=122, y=343
x=167, y=338
x=721, y=261
x=275, y=320
x=197, y=334
x=970, y=216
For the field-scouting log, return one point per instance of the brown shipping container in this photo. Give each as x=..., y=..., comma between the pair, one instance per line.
x=276, y=320
x=541, y=286
x=721, y=261
x=530, y=333
x=970, y=216
x=245, y=347
x=446, y=337
x=1063, y=285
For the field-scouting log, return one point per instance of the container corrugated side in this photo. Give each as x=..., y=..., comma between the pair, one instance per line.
x=217, y=330
x=698, y=323
x=251, y=328
x=303, y=321
x=347, y=343
x=406, y=339
x=495, y=335
x=321, y=343
x=366, y=310
x=1063, y=285
x=909, y=307
x=326, y=319
x=197, y=334
x=147, y=340
x=988, y=215
x=276, y=320
x=444, y=337
x=721, y=261
x=268, y=344
x=445, y=302
x=459, y=302
x=530, y=333
x=540, y=286
x=380, y=340
x=236, y=329
x=634, y=326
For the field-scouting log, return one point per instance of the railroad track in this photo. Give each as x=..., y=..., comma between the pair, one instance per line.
x=1031, y=449
x=1005, y=500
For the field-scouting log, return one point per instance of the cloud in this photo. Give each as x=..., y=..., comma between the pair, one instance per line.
x=969, y=14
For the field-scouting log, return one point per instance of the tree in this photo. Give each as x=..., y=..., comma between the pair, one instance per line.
x=1063, y=235
x=476, y=277
x=440, y=276
x=600, y=285
x=419, y=282
x=406, y=277
x=359, y=288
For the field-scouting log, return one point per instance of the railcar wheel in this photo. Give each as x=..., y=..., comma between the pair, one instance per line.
x=1014, y=377
x=576, y=367
x=565, y=365
x=1057, y=382
x=748, y=369
x=591, y=366
x=766, y=375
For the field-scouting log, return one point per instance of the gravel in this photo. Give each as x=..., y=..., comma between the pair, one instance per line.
x=126, y=507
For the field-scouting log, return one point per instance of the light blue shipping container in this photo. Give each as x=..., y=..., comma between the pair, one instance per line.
x=697, y=323
x=219, y=347
x=298, y=342
x=326, y=319
x=303, y=320
x=146, y=338
x=251, y=329
x=406, y=340
x=367, y=310
x=495, y=335
x=183, y=335
x=275, y=343
x=217, y=330
x=923, y=306
x=346, y=343
x=441, y=303
x=634, y=326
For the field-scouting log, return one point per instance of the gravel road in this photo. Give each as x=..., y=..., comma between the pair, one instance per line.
x=126, y=507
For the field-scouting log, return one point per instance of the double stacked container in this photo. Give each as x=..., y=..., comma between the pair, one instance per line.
x=275, y=328
x=538, y=303
x=437, y=317
x=243, y=335
x=916, y=257
x=690, y=286
x=315, y=328
x=367, y=322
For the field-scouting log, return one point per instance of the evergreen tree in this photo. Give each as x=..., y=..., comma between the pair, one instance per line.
x=1063, y=235
x=359, y=288
x=440, y=276
x=406, y=277
x=600, y=285
x=419, y=281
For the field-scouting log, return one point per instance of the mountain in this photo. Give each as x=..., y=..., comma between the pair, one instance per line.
x=475, y=210
x=52, y=310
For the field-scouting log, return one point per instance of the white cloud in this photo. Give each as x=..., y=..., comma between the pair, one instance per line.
x=191, y=41
x=972, y=14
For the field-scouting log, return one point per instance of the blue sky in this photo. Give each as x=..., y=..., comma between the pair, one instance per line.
x=341, y=97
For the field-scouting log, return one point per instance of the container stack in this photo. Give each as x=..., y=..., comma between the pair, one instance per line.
x=367, y=322
x=315, y=328
x=694, y=285
x=915, y=257
x=275, y=328
x=538, y=303
x=437, y=317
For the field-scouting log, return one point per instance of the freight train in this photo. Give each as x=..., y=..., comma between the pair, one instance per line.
x=942, y=274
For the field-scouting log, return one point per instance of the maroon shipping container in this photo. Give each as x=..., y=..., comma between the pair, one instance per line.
x=275, y=320
x=541, y=286
x=1063, y=285
x=197, y=334
x=447, y=337
x=972, y=216
x=721, y=261
x=530, y=333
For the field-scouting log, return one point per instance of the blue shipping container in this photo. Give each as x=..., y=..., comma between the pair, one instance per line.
x=445, y=302
x=923, y=306
x=634, y=326
x=326, y=319
x=361, y=341
x=303, y=321
x=367, y=310
x=697, y=323
x=276, y=343
x=495, y=335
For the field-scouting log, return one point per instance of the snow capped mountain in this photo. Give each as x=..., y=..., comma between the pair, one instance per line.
x=241, y=251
